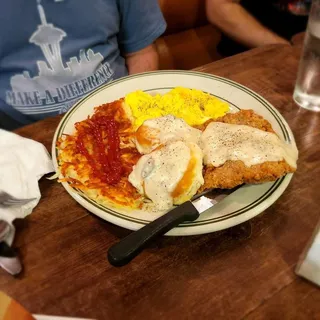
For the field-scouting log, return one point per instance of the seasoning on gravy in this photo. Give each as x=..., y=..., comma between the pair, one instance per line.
x=222, y=142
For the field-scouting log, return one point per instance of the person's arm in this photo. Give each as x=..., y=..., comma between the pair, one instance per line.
x=142, y=23
x=239, y=24
x=143, y=60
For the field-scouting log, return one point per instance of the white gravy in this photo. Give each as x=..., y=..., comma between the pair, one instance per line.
x=157, y=174
x=222, y=142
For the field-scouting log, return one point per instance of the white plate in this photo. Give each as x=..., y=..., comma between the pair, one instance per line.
x=242, y=205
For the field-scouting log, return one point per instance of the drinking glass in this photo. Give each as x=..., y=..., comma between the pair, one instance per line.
x=307, y=89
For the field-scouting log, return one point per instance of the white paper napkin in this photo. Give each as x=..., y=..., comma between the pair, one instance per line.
x=309, y=264
x=22, y=163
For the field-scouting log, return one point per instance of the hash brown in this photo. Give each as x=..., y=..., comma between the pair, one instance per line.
x=79, y=172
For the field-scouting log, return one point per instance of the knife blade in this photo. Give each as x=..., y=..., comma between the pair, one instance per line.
x=129, y=247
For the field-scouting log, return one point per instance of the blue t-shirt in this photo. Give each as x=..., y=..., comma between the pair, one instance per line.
x=53, y=52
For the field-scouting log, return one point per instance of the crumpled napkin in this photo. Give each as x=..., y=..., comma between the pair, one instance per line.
x=309, y=263
x=22, y=163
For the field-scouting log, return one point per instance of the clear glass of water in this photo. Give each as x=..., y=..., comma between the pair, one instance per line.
x=307, y=90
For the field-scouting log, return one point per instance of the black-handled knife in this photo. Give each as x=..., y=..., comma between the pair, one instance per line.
x=129, y=247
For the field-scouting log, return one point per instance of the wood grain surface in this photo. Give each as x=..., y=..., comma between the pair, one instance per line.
x=246, y=272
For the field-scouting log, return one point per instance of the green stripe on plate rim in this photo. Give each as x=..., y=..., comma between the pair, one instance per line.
x=267, y=194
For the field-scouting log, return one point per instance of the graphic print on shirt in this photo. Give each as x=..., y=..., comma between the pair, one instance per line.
x=58, y=85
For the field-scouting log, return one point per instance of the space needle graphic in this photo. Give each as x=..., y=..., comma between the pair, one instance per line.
x=48, y=38
x=53, y=72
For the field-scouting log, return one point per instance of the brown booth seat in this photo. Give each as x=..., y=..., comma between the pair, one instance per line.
x=190, y=41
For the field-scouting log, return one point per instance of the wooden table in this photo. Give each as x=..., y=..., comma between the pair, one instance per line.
x=246, y=272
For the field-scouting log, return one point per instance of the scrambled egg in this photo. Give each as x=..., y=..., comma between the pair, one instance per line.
x=194, y=106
